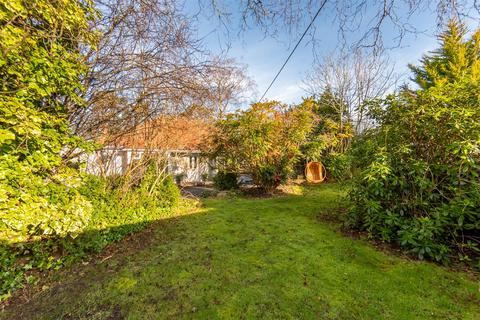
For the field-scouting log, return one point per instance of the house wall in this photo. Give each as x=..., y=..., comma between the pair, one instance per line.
x=189, y=164
x=108, y=162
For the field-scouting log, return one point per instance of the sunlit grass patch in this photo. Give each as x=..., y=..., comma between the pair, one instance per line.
x=245, y=258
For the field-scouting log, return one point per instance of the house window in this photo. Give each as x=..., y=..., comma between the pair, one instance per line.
x=193, y=162
x=137, y=156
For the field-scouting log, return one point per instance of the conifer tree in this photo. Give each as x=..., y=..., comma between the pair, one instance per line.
x=456, y=58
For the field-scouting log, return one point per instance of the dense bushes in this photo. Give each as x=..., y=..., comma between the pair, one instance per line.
x=224, y=180
x=40, y=72
x=115, y=214
x=328, y=141
x=41, y=68
x=338, y=166
x=420, y=183
x=421, y=188
x=271, y=176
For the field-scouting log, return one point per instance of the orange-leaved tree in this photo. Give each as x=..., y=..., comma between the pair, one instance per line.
x=264, y=141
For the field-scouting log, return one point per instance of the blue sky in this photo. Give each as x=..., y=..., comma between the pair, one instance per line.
x=264, y=55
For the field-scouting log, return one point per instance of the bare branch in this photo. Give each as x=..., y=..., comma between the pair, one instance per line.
x=353, y=79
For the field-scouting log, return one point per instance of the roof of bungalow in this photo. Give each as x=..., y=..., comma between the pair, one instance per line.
x=166, y=133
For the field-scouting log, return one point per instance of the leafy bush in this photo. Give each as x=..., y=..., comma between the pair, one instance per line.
x=270, y=177
x=115, y=214
x=264, y=141
x=362, y=151
x=420, y=183
x=337, y=166
x=421, y=188
x=329, y=139
x=331, y=132
x=40, y=70
x=224, y=180
x=158, y=189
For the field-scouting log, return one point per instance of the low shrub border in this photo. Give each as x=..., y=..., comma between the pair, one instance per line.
x=115, y=215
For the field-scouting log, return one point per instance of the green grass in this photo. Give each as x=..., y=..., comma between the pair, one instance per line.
x=254, y=259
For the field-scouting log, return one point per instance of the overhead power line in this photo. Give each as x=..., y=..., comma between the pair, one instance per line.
x=295, y=48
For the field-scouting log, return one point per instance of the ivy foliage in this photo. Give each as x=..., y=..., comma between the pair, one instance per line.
x=420, y=186
x=40, y=81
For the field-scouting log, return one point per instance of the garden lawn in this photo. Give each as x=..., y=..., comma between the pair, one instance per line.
x=241, y=258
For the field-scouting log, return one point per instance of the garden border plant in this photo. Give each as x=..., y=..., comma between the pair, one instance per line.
x=115, y=214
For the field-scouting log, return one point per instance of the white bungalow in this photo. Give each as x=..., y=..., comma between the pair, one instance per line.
x=177, y=139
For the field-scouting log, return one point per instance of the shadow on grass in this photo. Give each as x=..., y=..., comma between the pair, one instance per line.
x=248, y=259
x=57, y=262
x=25, y=262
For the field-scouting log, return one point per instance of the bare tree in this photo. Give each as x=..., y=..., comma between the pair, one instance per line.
x=228, y=88
x=352, y=79
x=360, y=23
x=149, y=62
